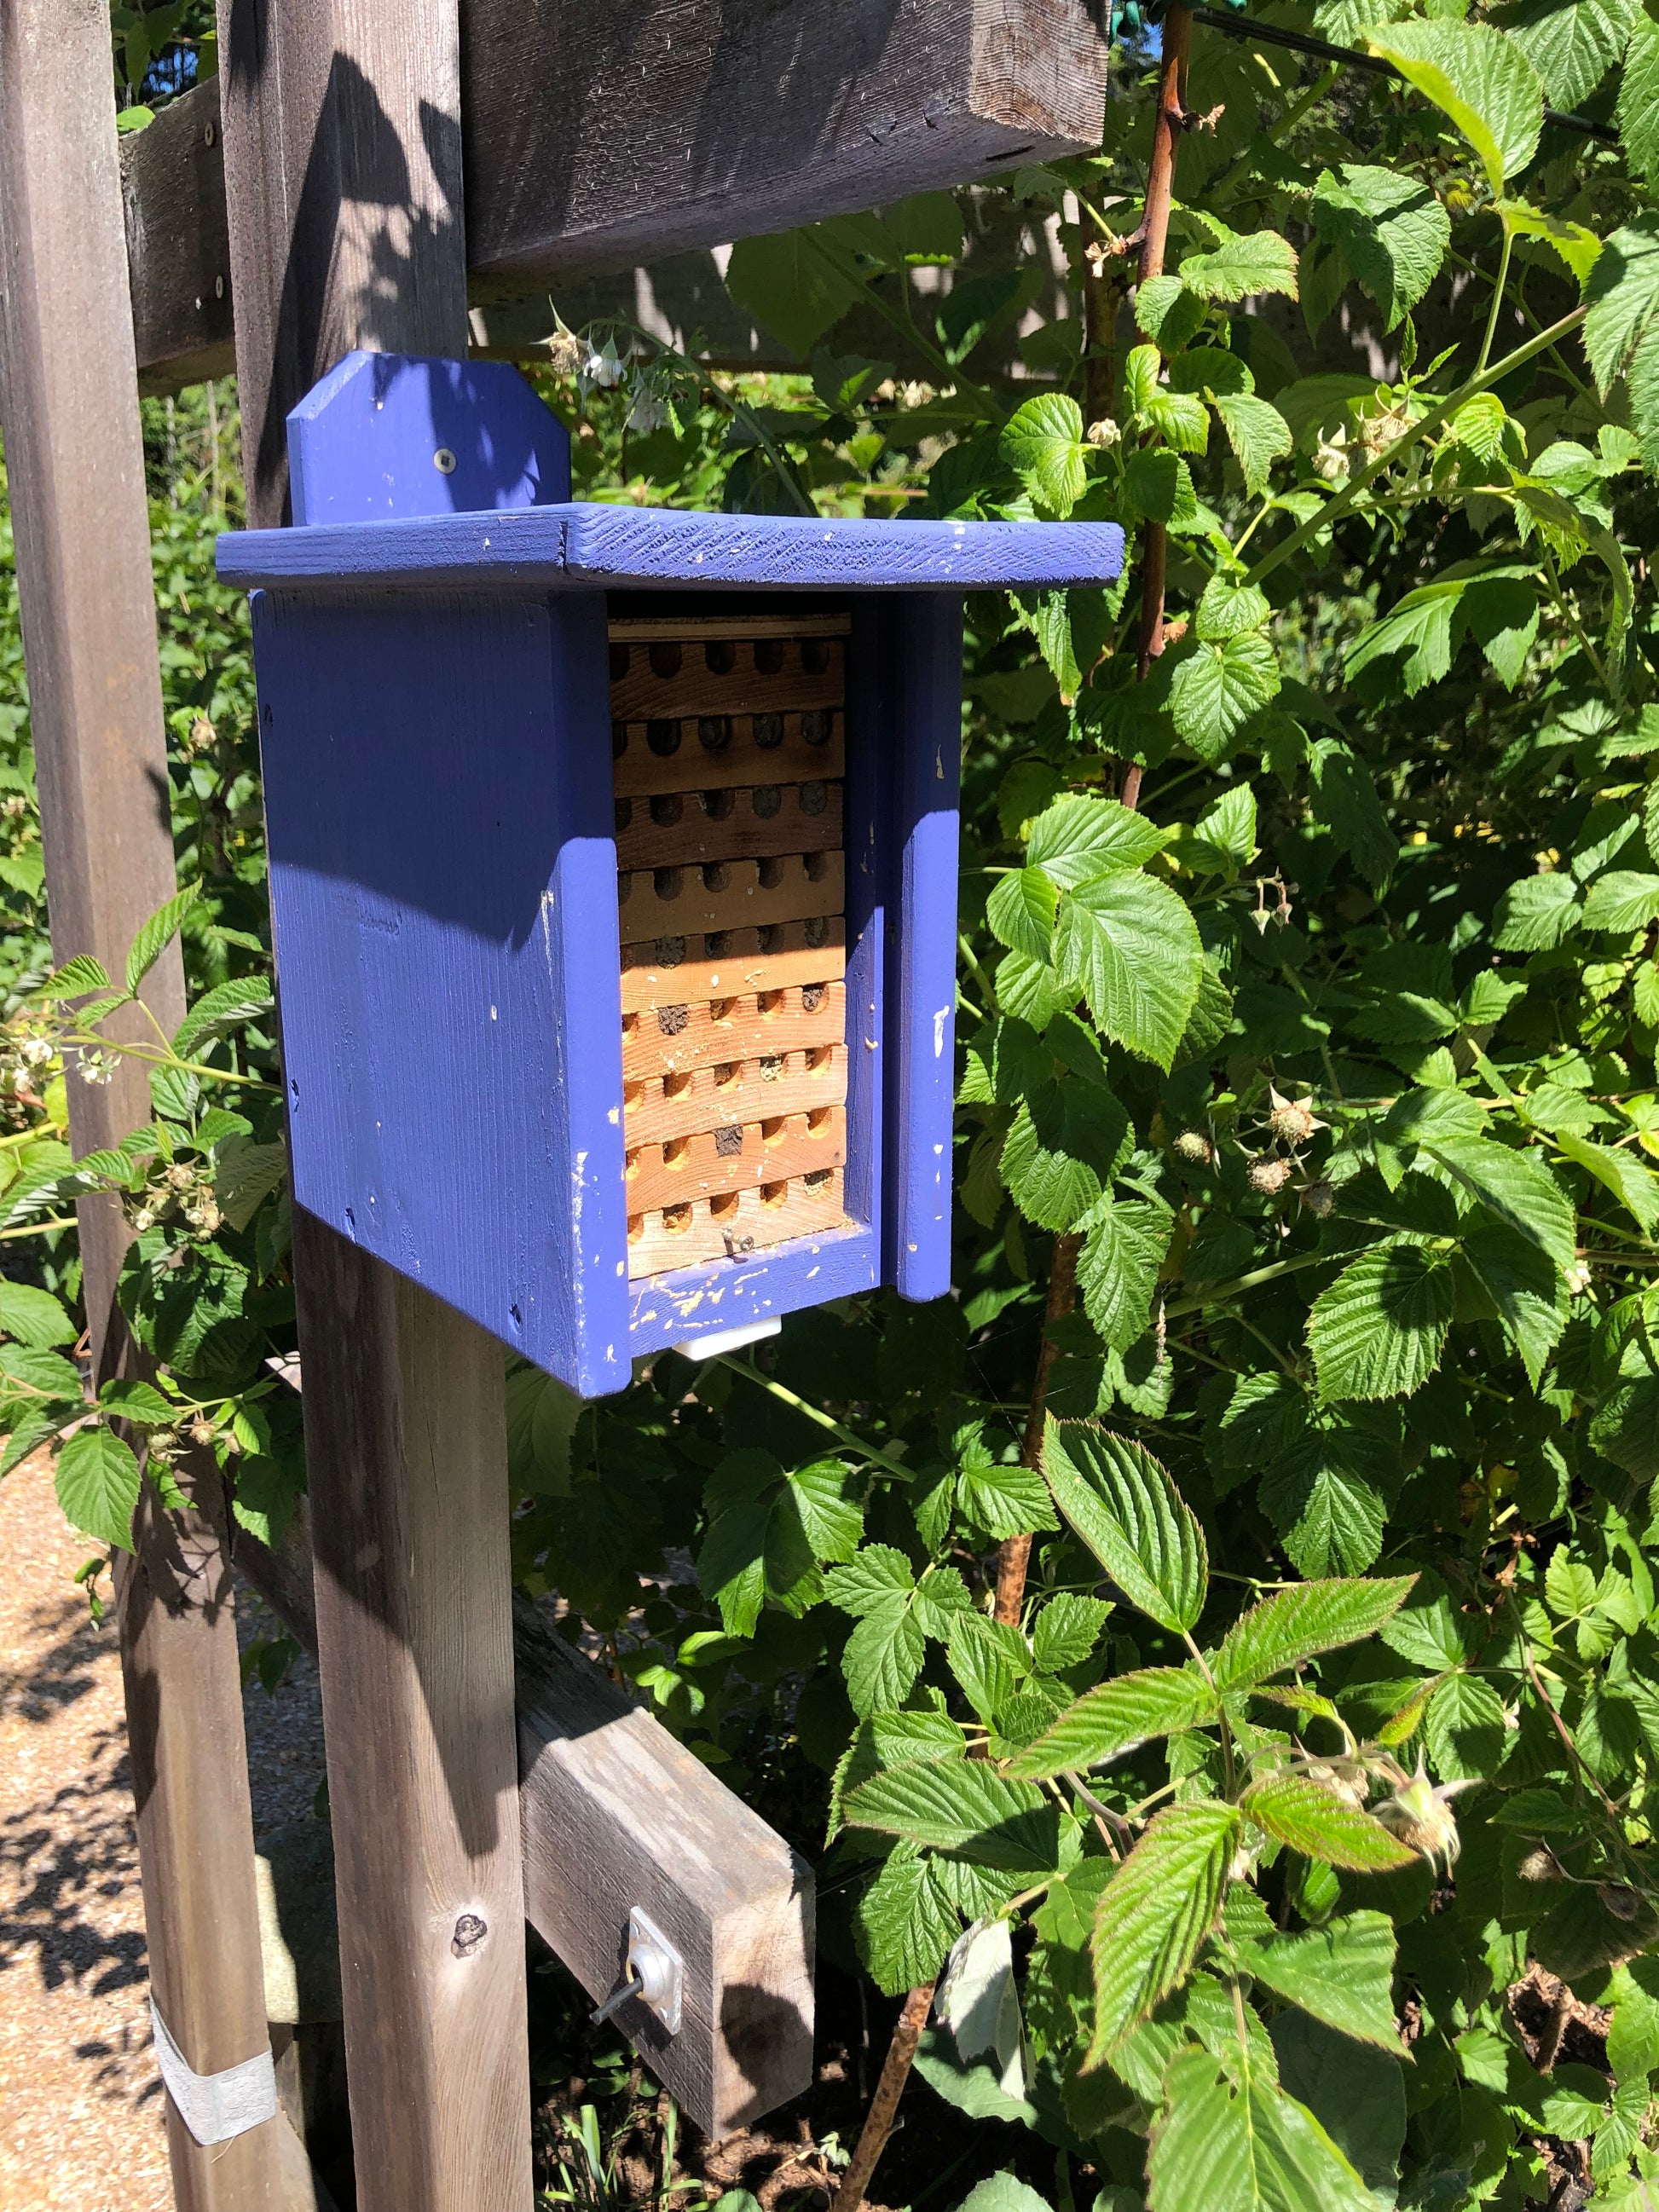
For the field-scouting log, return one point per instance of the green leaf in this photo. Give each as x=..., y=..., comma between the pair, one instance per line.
x=1635, y=1186
x=1067, y=1629
x=1342, y=1973
x=246, y=1179
x=963, y=1805
x=1391, y=230
x=905, y=1922
x=227, y=1007
x=1329, y=1518
x=1344, y=799
x=1022, y=910
x=1168, y=311
x=1258, y=433
x=1062, y=1148
x=1042, y=443
x=1123, y=1248
x=1535, y=914
x=1227, y=608
x=1121, y=1714
x=1296, y=1624
x=1638, y=94
x=158, y=932
x=1003, y=2192
x=1260, y=262
x=98, y=1485
x=42, y=1373
x=1516, y=1187
x=1623, y=297
x=1571, y=48
x=1355, y=2091
x=1379, y=1330
x=1079, y=837
x=786, y=282
x=1578, y=247
x=33, y=1316
x=1622, y=901
x=1158, y=484
x=29, y=1431
x=1310, y=1818
x=1124, y=1507
x=73, y=980
x=1215, y=691
x=1155, y=1913
x=1526, y=1289
x=989, y=1659
x=1232, y=2146
x=1006, y=1501
x=1129, y=946
x=126, y=1399
x=1480, y=78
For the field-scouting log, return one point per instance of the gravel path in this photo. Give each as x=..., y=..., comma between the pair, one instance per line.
x=80, y=2123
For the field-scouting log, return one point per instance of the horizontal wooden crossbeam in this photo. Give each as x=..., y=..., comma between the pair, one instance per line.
x=600, y=134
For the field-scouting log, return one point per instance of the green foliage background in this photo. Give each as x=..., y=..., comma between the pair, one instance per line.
x=1315, y=1777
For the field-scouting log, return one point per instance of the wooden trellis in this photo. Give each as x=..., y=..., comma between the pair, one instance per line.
x=310, y=204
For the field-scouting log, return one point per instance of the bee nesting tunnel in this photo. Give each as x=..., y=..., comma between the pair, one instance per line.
x=613, y=857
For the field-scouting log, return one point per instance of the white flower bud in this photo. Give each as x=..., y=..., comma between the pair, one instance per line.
x=1105, y=432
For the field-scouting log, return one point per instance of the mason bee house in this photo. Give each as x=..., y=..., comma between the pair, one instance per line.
x=613, y=862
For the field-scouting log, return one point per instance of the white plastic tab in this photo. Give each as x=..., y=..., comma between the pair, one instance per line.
x=215, y=2107
x=729, y=1339
x=657, y=1966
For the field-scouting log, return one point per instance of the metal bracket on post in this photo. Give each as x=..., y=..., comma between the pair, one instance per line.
x=654, y=1972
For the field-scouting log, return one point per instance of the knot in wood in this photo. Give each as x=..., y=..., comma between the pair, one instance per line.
x=470, y=1932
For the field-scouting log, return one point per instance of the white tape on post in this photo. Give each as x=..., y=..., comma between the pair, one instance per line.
x=215, y=2106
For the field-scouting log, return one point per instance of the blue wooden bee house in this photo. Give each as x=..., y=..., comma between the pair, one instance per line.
x=613, y=870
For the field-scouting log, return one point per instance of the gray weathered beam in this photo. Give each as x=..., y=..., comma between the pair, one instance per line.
x=600, y=134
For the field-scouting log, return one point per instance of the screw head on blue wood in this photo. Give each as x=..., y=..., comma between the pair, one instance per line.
x=388, y=434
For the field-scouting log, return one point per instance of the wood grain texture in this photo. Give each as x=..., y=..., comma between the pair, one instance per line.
x=747, y=1090
x=729, y=895
x=341, y=135
x=711, y=1031
x=599, y=131
x=617, y=1813
x=75, y=464
x=883, y=98
x=758, y=823
x=585, y=546
x=723, y=675
x=667, y=972
x=734, y=1157
x=668, y=755
x=735, y=1224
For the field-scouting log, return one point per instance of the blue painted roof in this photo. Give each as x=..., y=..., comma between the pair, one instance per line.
x=583, y=546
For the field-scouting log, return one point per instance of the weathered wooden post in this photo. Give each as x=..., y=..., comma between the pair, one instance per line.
x=342, y=143
x=75, y=462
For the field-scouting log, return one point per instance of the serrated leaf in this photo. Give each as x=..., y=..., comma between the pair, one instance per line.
x=1577, y=246
x=960, y=1805
x=1571, y=48
x=1622, y=901
x=97, y=1479
x=129, y=1400
x=1021, y=909
x=1129, y=944
x=1240, y=266
x=1297, y=1624
x=246, y=1180
x=73, y=980
x=1243, y=2146
x=1079, y=837
x=1067, y=1631
x=1342, y=1973
x=1258, y=433
x=1535, y=914
x=1124, y=1507
x=1635, y=1186
x=1311, y=1818
x=1123, y=1248
x=1329, y=1518
x=1392, y=232
x=157, y=934
x=1228, y=608
x=1344, y=799
x=1379, y=1330
x=1526, y=1288
x=1477, y=76
x=1154, y=1915
x=1516, y=1187
x=1042, y=443
x=1215, y=691
x=217, y=1012
x=905, y=1922
x=1115, y=1718
x=1006, y=1501
x=33, y=1316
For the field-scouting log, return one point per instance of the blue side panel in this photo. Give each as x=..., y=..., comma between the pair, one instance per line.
x=386, y=434
x=867, y=913
x=923, y=983
x=437, y=790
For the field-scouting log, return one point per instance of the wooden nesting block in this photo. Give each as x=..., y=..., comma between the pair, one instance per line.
x=666, y=1040
x=733, y=1158
x=741, y=1092
x=710, y=676
x=729, y=895
x=734, y=1222
x=669, y=971
x=704, y=753
x=676, y=828
x=616, y=1814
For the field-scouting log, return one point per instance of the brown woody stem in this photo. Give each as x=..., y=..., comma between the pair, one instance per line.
x=1014, y=1553
x=883, y=2106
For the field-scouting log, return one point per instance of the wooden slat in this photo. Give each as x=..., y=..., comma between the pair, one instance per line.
x=600, y=134
x=751, y=756
x=707, y=1033
x=617, y=1813
x=623, y=629
x=749, y=1090
x=807, y=675
x=733, y=1225
x=733, y=1158
x=76, y=469
x=743, y=960
x=731, y=895
x=758, y=823
x=342, y=134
